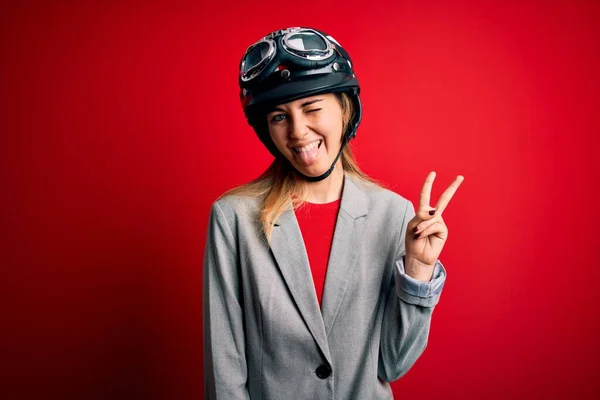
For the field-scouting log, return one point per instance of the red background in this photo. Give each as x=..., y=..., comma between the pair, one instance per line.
x=120, y=125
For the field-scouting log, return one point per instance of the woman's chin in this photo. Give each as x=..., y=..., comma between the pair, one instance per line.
x=313, y=170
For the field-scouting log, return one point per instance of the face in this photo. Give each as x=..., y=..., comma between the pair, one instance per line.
x=308, y=132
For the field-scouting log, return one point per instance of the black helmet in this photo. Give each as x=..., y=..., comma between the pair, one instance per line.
x=290, y=64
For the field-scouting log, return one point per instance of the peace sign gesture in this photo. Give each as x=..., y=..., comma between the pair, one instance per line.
x=426, y=232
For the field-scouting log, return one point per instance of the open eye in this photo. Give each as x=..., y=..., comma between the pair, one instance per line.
x=278, y=118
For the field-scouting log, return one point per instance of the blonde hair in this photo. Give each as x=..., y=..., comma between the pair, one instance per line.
x=277, y=186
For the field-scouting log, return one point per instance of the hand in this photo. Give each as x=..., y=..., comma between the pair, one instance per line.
x=426, y=233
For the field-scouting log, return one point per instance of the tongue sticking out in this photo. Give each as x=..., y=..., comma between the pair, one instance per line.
x=309, y=157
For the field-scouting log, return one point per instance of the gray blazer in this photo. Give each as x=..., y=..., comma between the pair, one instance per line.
x=265, y=336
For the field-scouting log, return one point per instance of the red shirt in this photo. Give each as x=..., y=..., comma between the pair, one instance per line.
x=317, y=224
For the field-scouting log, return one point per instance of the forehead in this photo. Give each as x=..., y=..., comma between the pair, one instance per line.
x=301, y=102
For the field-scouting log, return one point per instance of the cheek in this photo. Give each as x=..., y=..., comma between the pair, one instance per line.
x=277, y=136
x=334, y=133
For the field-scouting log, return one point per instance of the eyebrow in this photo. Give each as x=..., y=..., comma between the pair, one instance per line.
x=305, y=104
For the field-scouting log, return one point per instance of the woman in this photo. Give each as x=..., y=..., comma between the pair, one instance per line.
x=318, y=283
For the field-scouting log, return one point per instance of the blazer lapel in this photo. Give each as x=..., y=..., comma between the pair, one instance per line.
x=345, y=249
x=288, y=248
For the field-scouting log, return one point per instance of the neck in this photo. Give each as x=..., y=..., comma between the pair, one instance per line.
x=327, y=190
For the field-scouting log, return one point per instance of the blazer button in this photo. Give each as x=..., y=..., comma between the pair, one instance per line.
x=323, y=371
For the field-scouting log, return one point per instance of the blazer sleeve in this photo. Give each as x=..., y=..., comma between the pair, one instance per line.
x=407, y=317
x=225, y=370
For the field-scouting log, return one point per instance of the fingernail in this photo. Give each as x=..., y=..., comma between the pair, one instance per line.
x=415, y=229
x=417, y=235
x=431, y=212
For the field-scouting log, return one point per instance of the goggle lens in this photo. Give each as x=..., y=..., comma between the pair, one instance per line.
x=255, y=56
x=306, y=41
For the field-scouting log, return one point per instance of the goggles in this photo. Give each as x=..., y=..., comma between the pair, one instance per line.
x=302, y=46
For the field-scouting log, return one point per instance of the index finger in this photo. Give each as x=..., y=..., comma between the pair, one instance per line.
x=447, y=195
x=426, y=192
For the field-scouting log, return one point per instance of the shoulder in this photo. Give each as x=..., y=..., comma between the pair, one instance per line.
x=235, y=218
x=235, y=206
x=380, y=199
x=380, y=195
x=240, y=212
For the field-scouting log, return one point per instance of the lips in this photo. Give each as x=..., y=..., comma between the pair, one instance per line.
x=308, y=147
x=308, y=154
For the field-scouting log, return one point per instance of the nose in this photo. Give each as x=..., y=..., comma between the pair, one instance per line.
x=298, y=128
